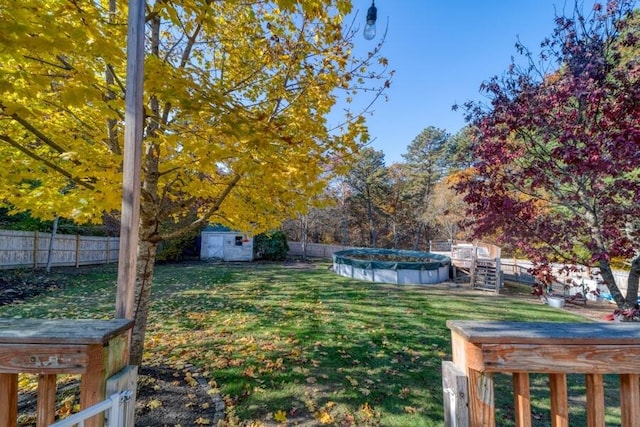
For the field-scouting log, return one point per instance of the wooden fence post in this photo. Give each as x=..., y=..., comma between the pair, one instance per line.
x=35, y=249
x=77, y=250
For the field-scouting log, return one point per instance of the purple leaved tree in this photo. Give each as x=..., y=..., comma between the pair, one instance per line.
x=557, y=171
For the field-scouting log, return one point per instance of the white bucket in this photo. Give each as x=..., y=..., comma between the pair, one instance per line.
x=555, y=301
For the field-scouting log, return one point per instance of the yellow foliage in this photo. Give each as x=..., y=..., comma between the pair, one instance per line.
x=236, y=103
x=323, y=417
x=246, y=100
x=154, y=404
x=367, y=411
x=280, y=416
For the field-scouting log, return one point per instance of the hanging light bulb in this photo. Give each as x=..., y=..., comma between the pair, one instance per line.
x=370, y=28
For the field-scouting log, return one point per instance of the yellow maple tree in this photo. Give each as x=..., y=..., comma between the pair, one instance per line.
x=236, y=99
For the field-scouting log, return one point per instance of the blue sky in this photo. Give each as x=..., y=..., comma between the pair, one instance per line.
x=441, y=51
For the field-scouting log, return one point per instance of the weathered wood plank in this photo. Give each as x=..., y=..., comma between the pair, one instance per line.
x=92, y=383
x=465, y=354
x=125, y=379
x=455, y=396
x=522, y=399
x=481, y=400
x=46, y=407
x=595, y=400
x=630, y=400
x=116, y=354
x=559, y=401
x=595, y=359
x=8, y=400
x=61, y=331
x=43, y=359
x=131, y=162
x=496, y=332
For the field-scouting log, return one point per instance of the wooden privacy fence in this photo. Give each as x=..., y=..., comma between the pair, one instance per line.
x=483, y=348
x=316, y=250
x=30, y=249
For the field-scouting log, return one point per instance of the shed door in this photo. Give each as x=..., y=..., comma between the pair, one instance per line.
x=214, y=247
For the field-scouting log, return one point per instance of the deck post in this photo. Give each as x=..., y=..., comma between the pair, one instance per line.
x=95, y=349
x=8, y=400
x=46, y=406
x=630, y=399
x=455, y=389
x=559, y=402
x=595, y=400
x=522, y=399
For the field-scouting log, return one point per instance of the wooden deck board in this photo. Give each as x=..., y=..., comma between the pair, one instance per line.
x=56, y=331
x=496, y=332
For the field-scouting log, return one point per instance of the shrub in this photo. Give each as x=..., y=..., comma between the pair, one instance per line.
x=270, y=246
x=179, y=248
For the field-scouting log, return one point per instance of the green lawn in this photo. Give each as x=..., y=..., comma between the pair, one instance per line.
x=304, y=344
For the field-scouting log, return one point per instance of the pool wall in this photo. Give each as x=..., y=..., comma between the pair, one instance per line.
x=434, y=269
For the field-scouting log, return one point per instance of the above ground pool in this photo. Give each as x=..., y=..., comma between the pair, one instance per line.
x=392, y=266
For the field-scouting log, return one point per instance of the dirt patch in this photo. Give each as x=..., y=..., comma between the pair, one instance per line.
x=165, y=397
x=170, y=397
x=16, y=287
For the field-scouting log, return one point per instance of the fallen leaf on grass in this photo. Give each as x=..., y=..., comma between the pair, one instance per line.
x=189, y=379
x=405, y=392
x=353, y=381
x=365, y=391
x=323, y=417
x=367, y=411
x=154, y=404
x=348, y=420
x=280, y=416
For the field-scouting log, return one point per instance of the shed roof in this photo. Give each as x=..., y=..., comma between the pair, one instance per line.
x=217, y=227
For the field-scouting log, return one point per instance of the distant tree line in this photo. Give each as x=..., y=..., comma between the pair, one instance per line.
x=403, y=205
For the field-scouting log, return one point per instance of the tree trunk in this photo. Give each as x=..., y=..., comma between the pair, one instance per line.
x=416, y=242
x=609, y=280
x=345, y=228
x=632, y=283
x=149, y=219
x=112, y=134
x=372, y=226
x=144, y=276
x=395, y=235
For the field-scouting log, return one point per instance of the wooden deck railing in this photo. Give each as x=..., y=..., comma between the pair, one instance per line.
x=96, y=349
x=481, y=349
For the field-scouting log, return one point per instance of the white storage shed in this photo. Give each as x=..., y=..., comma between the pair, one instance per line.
x=221, y=243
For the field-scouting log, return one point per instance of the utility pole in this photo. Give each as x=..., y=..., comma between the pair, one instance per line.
x=132, y=160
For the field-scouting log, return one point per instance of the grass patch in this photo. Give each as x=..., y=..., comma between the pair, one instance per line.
x=307, y=345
